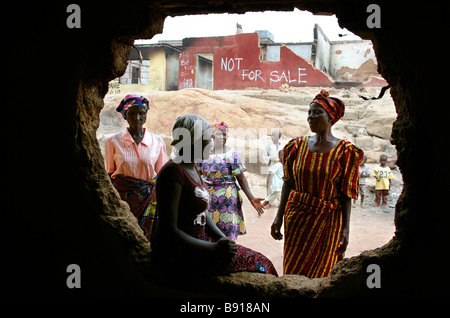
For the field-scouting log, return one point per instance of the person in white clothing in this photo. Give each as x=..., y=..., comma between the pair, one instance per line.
x=271, y=151
x=274, y=181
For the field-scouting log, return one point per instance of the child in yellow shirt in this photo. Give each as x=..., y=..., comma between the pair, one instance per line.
x=383, y=175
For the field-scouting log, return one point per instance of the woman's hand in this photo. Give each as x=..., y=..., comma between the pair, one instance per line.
x=225, y=250
x=346, y=206
x=256, y=202
x=343, y=241
x=276, y=227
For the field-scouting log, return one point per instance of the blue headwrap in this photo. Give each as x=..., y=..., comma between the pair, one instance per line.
x=130, y=100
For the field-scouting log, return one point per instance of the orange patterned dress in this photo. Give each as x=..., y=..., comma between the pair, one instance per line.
x=313, y=217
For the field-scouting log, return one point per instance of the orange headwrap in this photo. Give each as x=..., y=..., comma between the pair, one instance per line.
x=333, y=106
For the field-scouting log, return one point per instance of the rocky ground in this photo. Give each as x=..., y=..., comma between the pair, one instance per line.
x=252, y=114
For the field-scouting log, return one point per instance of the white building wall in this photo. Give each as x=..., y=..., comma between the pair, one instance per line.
x=303, y=50
x=351, y=55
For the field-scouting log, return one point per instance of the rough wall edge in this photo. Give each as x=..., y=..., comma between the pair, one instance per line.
x=286, y=286
x=117, y=215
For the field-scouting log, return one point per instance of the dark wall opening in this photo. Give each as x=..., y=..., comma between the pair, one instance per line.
x=83, y=222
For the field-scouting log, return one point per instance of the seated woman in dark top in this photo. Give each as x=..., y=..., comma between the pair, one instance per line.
x=187, y=240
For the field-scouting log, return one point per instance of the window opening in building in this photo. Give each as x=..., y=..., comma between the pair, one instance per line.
x=137, y=72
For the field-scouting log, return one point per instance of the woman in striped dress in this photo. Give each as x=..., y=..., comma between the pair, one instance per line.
x=321, y=177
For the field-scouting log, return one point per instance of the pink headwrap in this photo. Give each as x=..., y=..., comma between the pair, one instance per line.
x=219, y=125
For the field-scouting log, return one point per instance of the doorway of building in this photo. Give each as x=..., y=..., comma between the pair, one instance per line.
x=204, y=71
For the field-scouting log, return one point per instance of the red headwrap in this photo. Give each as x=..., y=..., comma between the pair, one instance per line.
x=219, y=125
x=333, y=106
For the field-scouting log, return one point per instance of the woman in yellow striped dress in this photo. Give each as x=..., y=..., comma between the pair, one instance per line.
x=321, y=177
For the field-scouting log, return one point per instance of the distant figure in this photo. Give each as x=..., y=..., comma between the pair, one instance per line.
x=238, y=28
x=223, y=172
x=383, y=175
x=364, y=172
x=274, y=182
x=320, y=178
x=270, y=155
x=133, y=160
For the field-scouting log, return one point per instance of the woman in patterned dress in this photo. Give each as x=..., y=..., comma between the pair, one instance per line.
x=321, y=177
x=223, y=173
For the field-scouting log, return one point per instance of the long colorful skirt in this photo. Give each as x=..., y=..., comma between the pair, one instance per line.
x=246, y=260
x=226, y=208
x=175, y=259
x=141, y=197
x=312, y=228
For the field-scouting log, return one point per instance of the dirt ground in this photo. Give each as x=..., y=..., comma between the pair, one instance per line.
x=370, y=228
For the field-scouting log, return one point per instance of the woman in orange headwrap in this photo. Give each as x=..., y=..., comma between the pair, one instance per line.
x=321, y=177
